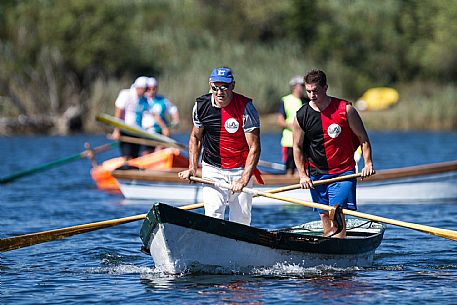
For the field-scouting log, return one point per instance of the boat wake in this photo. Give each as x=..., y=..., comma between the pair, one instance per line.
x=124, y=269
x=287, y=270
x=278, y=270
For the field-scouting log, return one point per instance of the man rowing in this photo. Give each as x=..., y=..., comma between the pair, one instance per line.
x=326, y=132
x=228, y=126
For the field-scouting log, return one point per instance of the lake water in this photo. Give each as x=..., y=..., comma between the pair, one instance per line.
x=107, y=267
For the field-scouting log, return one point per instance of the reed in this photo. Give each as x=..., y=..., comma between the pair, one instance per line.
x=262, y=73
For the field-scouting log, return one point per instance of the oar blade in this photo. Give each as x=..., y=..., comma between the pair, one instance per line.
x=21, y=241
x=12, y=243
x=137, y=131
x=449, y=234
x=445, y=233
x=17, y=242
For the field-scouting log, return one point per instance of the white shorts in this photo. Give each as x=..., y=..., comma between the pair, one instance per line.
x=216, y=199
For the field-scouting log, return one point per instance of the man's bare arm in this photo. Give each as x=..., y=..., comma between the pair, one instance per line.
x=253, y=139
x=356, y=125
x=299, y=157
x=118, y=113
x=194, y=153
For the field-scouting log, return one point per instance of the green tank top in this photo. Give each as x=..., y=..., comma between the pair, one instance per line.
x=291, y=105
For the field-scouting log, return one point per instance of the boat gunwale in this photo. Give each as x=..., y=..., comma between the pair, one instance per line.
x=162, y=214
x=280, y=179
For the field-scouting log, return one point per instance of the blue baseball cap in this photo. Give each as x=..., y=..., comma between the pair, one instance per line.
x=221, y=75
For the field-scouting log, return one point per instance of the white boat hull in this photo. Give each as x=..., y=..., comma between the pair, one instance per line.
x=183, y=241
x=440, y=187
x=175, y=249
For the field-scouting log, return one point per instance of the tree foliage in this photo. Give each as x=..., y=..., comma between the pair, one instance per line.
x=52, y=51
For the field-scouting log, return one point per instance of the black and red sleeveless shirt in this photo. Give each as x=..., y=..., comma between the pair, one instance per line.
x=329, y=142
x=224, y=141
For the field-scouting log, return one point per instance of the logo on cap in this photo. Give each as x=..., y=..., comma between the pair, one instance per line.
x=334, y=130
x=223, y=75
x=231, y=125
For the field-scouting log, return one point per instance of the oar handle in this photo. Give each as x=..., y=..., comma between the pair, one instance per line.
x=270, y=194
x=315, y=183
x=100, y=149
x=281, y=189
x=253, y=192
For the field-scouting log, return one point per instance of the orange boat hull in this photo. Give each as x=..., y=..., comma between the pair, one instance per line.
x=164, y=159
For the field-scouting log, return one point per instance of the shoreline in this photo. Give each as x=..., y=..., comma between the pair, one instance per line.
x=40, y=125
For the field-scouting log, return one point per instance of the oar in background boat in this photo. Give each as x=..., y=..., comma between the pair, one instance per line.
x=145, y=142
x=56, y=163
x=155, y=139
x=21, y=241
x=449, y=234
x=137, y=131
x=272, y=165
x=414, y=171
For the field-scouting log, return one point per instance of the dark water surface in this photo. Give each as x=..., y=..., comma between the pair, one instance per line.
x=106, y=266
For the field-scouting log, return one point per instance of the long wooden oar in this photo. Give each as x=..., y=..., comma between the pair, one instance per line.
x=137, y=131
x=317, y=182
x=56, y=163
x=21, y=241
x=147, y=142
x=414, y=171
x=449, y=234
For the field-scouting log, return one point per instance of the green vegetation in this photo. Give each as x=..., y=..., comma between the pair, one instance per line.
x=56, y=54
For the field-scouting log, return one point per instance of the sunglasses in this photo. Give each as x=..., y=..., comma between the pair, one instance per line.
x=222, y=87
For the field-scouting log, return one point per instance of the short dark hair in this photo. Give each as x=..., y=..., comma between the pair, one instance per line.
x=316, y=76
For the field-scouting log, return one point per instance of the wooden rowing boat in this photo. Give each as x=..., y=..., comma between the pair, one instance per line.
x=182, y=241
x=425, y=183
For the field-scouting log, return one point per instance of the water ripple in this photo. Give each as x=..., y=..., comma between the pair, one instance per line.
x=106, y=266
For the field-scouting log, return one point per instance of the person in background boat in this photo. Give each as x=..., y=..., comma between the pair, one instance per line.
x=163, y=107
x=227, y=125
x=287, y=109
x=162, y=115
x=130, y=107
x=326, y=132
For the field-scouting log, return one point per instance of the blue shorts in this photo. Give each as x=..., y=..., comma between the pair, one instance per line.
x=342, y=193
